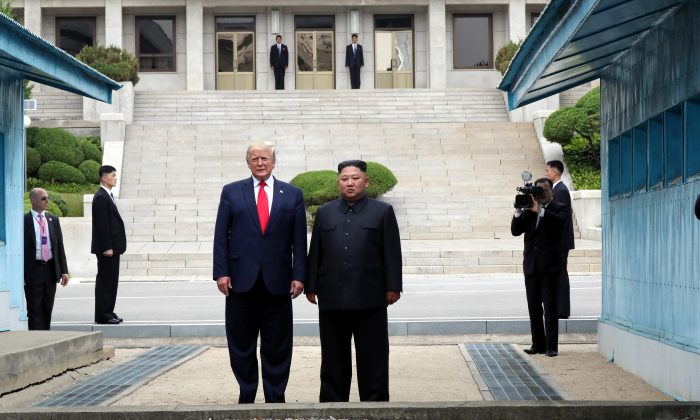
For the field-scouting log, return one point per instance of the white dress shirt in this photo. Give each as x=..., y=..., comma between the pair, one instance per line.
x=269, y=188
x=37, y=234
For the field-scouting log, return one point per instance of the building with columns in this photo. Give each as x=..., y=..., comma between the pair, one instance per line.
x=224, y=44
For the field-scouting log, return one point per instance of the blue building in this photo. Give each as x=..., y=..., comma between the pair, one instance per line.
x=24, y=55
x=646, y=54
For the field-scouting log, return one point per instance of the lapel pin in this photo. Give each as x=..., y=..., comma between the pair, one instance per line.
x=281, y=192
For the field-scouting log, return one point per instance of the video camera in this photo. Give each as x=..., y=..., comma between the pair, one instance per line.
x=523, y=200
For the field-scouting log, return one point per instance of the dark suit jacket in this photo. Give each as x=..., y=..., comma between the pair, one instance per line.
x=277, y=59
x=242, y=252
x=354, y=60
x=107, y=225
x=56, y=237
x=354, y=271
x=561, y=194
x=697, y=207
x=542, y=242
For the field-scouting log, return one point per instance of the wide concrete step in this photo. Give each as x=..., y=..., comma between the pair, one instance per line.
x=53, y=104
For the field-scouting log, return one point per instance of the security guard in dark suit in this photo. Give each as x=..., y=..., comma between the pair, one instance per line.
x=44, y=260
x=354, y=273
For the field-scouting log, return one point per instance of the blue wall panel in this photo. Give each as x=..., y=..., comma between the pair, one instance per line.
x=651, y=240
x=11, y=125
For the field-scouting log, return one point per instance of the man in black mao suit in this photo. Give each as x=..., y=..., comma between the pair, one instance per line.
x=354, y=274
x=44, y=260
x=259, y=262
x=552, y=171
x=354, y=61
x=279, y=60
x=108, y=243
x=543, y=225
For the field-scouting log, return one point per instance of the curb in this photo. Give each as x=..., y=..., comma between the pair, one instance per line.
x=310, y=329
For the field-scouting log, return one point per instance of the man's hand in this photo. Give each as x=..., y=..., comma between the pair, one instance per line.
x=535, y=205
x=296, y=288
x=64, y=280
x=311, y=297
x=108, y=253
x=392, y=297
x=224, y=284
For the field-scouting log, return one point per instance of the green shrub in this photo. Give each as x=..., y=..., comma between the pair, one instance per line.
x=31, y=135
x=583, y=163
x=33, y=160
x=91, y=170
x=51, y=208
x=90, y=151
x=505, y=55
x=60, y=201
x=581, y=120
x=55, y=144
x=61, y=172
x=114, y=62
x=96, y=141
x=62, y=187
x=381, y=179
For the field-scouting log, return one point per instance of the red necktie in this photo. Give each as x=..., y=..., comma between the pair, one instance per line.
x=263, y=210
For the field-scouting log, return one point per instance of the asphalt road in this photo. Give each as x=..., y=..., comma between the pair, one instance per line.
x=434, y=298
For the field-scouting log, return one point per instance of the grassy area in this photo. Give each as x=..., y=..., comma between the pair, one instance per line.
x=75, y=200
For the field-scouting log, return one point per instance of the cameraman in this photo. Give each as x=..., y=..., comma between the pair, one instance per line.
x=543, y=225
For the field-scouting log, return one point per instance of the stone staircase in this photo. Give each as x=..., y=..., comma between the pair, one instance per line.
x=453, y=200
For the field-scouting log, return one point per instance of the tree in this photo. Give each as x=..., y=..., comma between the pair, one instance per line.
x=505, y=55
x=582, y=119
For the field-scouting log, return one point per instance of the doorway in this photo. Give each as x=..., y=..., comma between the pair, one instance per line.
x=314, y=44
x=394, y=55
x=235, y=53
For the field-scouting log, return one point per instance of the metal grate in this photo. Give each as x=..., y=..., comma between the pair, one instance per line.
x=106, y=385
x=508, y=374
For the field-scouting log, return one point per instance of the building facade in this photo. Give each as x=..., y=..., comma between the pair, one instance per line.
x=224, y=44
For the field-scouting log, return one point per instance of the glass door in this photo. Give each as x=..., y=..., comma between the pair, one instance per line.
x=315, y=63
x=235, y=60
x=394, y=59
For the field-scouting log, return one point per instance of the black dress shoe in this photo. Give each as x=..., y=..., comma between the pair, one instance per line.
x=552, y=353
x=532, y=350
x=112, y=321
x=117, y=317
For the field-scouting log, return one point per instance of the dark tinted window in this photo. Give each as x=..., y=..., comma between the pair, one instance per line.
x=155, y=43
x=73, y=33
x=314, y=22
x=472, y=42
x=234, y=23
x=393, y=22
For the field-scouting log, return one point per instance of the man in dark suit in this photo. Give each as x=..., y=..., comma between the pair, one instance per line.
x=543, y=225
x=259, y=261
x=108, y=243
x=697, y=207
x=354, y=274
x=279, y=60
x=354, y=61
x=552, y=171
x=44, y=260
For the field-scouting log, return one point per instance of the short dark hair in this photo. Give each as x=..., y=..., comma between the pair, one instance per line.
x=359, y=164
x=543, y=180
x=278, y=36
x=556, y=164
x=354, y=36
x=106, y=169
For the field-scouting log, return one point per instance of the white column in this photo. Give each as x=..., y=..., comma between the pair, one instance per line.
x=195, y=45
x=113, y=23
x=437, y=44
x=32, y=16
x=517, y=20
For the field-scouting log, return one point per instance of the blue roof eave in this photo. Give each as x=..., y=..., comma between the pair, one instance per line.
x=40, y=61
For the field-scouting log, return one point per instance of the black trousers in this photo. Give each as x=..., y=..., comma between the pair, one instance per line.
x=354, y=76
x=106, y=284
x=541, y=291
x=564, y=289
x=279, y=77
x=247, y=315
x=370, y=331
x=40, y=292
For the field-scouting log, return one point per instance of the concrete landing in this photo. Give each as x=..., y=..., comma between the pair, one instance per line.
x=23, y=352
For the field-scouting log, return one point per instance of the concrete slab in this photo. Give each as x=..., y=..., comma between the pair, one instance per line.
x=21, y=352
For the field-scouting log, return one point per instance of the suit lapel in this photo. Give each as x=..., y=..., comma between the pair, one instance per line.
x=249, y=200
x=29, y=221
x=277, y=197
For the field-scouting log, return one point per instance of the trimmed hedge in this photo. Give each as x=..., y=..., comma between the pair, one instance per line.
x=90, y=150
x=31, y=135
x=91, y=170
x=62, y=187
x=51, y=208
x=33, y=160
x=55, y=144
x=582, y=163
x=114, y=62
x=61, y=172
x=61, y=202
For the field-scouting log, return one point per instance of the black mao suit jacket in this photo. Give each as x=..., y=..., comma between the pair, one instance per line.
x=352, y=265
x=542, y=251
